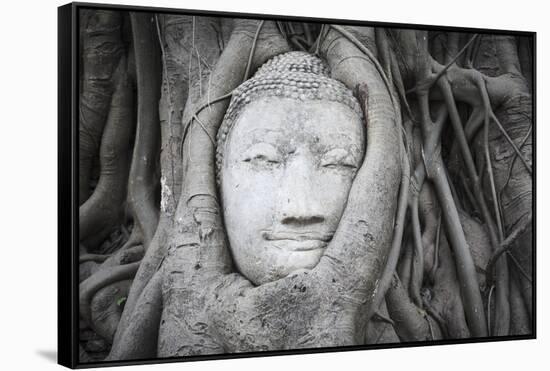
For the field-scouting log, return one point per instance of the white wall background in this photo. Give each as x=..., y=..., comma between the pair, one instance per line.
x=28, y=182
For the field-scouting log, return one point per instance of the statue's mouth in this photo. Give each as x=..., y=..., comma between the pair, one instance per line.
x=298, y=241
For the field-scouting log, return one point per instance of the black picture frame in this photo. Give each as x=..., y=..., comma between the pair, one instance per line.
x=68, y=241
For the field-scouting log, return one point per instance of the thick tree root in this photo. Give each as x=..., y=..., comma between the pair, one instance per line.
x=411, y=322
x=102, y=47
x=143, y=184
x=100, y=279
x=103, y=211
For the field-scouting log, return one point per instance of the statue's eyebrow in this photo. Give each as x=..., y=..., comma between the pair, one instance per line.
x=348, y=147
x=339, y=143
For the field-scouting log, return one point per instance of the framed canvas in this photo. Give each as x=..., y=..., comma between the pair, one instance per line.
x=236, y=185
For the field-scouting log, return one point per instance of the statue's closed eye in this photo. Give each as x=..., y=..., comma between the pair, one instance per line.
x=262, y=153
x=338, y=158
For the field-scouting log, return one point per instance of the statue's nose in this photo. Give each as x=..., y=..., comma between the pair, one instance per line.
x=300, y=201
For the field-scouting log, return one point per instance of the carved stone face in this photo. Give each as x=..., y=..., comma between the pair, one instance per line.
x=287, y=170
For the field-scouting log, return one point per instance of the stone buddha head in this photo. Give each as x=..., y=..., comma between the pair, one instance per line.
x=288, y=150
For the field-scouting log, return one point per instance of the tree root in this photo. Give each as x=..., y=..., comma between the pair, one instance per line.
x=102, y=47
x=143, y=184
x=92, y=257
x=149, y=266
x=411, y=322
x=141, y=334
x=103, y=210
x=97, y=281
x=106, y=307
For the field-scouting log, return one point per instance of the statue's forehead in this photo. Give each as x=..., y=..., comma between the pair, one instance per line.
x=282, y=119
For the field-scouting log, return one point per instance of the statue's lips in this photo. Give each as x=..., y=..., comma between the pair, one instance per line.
x=297, y=241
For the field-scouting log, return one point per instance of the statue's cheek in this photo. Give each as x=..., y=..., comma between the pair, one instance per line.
x=334, y=191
